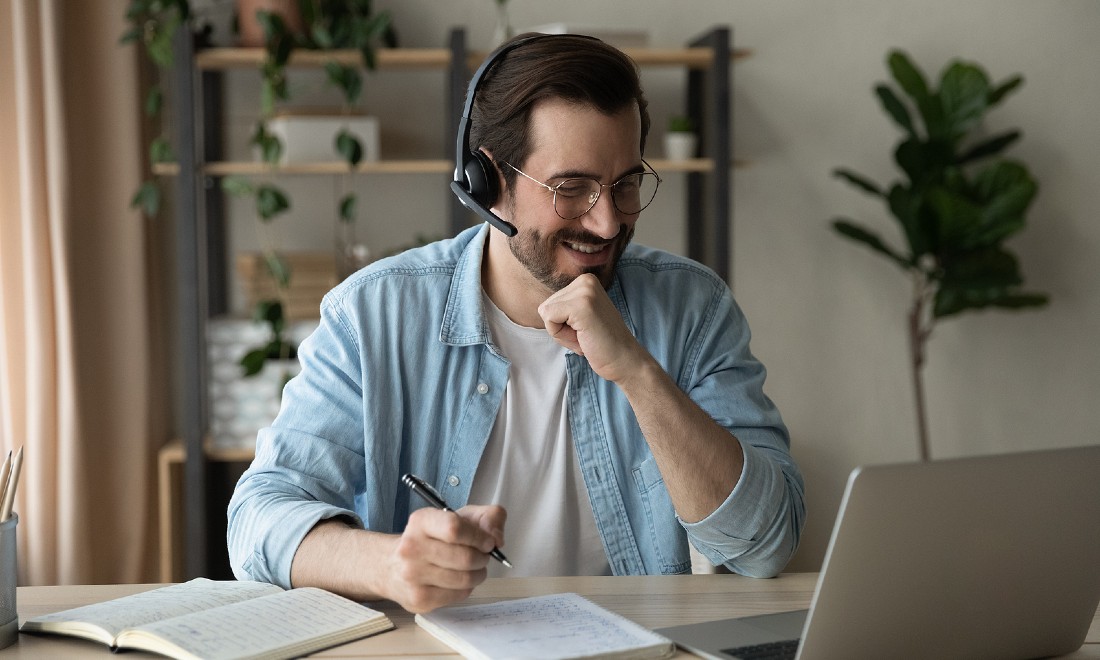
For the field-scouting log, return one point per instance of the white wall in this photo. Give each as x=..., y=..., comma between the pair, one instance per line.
x=828, y=317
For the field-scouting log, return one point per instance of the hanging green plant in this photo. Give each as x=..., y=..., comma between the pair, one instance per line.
x=352, y=24
x=330, y=24
x=350, y=83
x=270, y=202
x=278, y=45
x=152, y=23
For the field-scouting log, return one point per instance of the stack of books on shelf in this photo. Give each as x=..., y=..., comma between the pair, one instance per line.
x=312, y=274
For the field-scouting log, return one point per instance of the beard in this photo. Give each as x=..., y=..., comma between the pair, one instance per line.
x=537, y=254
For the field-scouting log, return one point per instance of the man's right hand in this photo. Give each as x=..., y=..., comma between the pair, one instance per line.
x=438, y=560
x=441, y=556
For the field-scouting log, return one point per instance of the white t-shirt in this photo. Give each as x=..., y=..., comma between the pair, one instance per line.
x=529, y=466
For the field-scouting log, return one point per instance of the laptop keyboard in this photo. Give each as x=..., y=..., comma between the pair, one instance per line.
x=784, y=650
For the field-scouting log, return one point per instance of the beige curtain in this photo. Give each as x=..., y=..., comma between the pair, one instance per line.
x=75, y=373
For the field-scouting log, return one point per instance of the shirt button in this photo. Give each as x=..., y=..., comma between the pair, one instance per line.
x=453, y=480
x=482, y=388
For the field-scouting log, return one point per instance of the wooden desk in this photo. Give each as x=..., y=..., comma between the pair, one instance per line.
x=652, y=601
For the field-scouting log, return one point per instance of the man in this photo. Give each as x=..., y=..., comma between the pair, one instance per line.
x=603, y=395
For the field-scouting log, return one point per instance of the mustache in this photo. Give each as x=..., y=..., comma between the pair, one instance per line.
x=588, y=238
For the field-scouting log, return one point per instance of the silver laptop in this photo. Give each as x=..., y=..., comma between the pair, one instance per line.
x=982, y=557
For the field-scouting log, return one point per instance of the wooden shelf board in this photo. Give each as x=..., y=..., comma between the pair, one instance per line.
x=213, y=59
x=694, y=165
x=255, y=168
x=388, y=58
x=174, y=452
x=442, y=166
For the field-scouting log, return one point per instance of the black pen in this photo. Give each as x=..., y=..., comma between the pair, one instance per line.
x=431, y=496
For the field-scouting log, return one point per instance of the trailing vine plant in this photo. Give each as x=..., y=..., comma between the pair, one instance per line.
x=152, y=24
x=347, y=144
x=330, y=24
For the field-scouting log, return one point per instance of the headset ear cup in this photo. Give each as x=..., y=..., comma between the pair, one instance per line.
x=481, y=175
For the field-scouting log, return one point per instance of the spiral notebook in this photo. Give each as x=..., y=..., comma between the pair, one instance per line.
x=550, y=627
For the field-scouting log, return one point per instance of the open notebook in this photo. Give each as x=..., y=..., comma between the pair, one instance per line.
x=556, y=626
x=983, y=557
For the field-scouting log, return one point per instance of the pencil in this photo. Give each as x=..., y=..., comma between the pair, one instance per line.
x=12, y=485
x=4, y=472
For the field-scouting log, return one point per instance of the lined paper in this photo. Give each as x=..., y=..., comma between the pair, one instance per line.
x=555, y=626
x=138, y=609
x=219, y=620
x=285, y=624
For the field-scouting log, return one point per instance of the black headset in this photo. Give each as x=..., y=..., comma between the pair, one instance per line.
x=475, y=181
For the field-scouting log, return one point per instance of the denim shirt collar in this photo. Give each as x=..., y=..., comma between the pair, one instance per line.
x=464, y=321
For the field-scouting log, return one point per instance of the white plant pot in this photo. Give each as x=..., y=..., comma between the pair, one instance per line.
x=241, y=406
x=680, y=146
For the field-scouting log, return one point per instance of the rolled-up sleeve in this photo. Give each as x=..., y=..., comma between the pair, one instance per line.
x=308, y=464
x=756, y=530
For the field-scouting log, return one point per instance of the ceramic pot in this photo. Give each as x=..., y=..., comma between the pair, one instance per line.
x=680, y=146
x=252, y=33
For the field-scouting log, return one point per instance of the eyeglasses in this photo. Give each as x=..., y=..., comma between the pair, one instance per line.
x=575, y=197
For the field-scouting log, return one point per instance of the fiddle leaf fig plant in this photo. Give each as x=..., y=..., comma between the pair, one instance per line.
x=956, y=203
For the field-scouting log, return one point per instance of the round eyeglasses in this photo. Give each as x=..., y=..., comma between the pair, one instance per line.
x=575, y=197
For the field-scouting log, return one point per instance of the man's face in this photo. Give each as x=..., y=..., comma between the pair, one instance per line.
x=571, y=141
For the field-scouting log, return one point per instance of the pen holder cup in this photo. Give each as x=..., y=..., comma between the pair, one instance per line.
x=9, y=569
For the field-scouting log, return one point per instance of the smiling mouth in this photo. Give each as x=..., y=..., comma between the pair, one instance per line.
x=586, y=247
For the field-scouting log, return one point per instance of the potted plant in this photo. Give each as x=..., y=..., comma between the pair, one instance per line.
x=250, y=29
x=279, y=348
x=956, y=203
x=680, y=140
x=286, y=25
x=327, y=25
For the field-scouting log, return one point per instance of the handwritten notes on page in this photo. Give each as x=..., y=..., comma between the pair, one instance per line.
x=287, y=624
x=549, y=627
x=218, y=620
x=112, y=617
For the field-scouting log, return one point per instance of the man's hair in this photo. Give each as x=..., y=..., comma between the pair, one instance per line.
x=567, y=67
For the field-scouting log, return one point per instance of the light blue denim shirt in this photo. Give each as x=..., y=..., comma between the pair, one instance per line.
x=402, y=376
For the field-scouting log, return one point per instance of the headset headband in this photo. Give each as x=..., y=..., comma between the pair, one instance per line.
x=463, y=145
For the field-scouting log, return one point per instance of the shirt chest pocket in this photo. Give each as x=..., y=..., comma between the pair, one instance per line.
x=667, y=537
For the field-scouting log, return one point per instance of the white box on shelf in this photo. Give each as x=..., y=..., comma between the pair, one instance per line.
x=310, y=137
